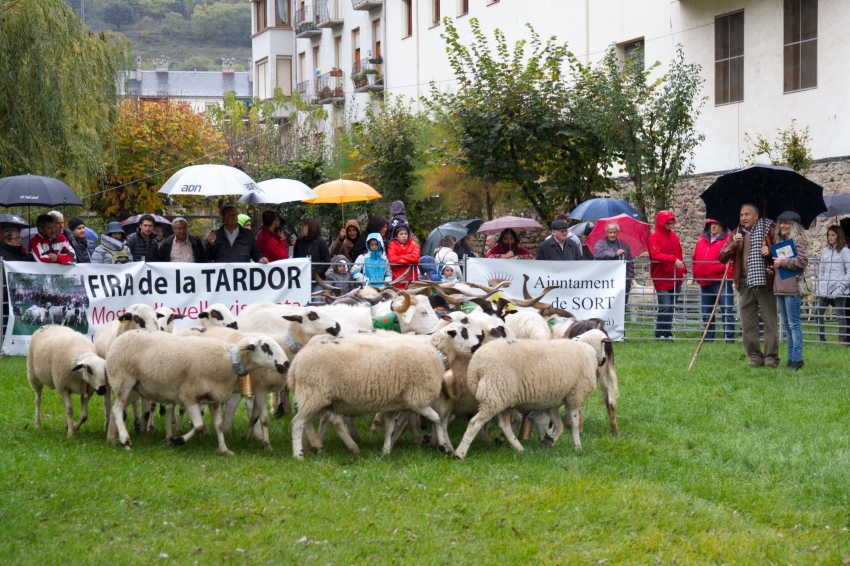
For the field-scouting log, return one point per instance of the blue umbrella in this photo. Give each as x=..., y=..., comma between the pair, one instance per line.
x=91, y=234
x=604, y=207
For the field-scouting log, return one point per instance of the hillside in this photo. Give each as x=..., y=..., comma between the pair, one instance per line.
x=192, y=34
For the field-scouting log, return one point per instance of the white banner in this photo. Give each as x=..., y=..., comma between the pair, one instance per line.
x=87, y=296
x=587, y=289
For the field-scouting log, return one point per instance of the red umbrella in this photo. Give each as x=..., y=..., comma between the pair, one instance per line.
x=516, y=223
x=634, y=232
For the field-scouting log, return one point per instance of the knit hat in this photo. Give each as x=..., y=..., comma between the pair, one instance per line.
x=242, y=219
x=74, y=223
x=402, y=225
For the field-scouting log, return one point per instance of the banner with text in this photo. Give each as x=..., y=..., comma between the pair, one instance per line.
x=86, y=296
x=587, y=289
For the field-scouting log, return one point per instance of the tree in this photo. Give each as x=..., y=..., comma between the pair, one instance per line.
x=58, y=89
x=172, y=23
x=648, y=124
x=228, y=22
x=118, y=14
x=152, y=137
x=790, y=149
x=513, y=122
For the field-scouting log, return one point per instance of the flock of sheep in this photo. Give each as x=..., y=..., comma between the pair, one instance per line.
x=491, y=362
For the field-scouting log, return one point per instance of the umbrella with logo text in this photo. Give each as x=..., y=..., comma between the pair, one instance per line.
x=277, y=191
x=208, y=181
x=35, y=190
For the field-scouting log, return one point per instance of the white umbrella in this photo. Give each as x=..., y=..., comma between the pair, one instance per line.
x=208, y=181
x=276, y=191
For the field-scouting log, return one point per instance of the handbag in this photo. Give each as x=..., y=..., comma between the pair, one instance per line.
x=806, y=285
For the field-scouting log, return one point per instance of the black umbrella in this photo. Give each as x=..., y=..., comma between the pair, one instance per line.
x=582, y=229
x=12, y=221
x=34, y=190
x=472, y=225
x=772, y=188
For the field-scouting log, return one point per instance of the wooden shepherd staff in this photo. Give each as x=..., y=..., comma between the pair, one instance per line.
x=711, y=317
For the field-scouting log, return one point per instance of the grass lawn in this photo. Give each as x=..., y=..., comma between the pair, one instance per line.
x=725, y=464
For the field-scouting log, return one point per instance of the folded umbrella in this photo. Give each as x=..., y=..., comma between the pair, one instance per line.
x=634, y=232
x=515, y=223
x=772, y=188
x=603, y=207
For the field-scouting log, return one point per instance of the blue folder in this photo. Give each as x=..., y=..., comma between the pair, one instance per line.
x=785, y=253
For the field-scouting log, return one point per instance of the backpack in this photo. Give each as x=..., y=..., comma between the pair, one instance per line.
x=121, y=256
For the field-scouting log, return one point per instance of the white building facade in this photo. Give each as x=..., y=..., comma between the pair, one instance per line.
x=764, y=62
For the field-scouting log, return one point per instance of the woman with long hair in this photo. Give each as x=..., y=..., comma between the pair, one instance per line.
x=834, y=283
x=508, y=247
x=786, y=290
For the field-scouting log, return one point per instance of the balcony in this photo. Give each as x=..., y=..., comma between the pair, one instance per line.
x=367, y=76
x=306, y=22
x=329, y=88
x=329, y=13
x=366, y=4
x=307, y=92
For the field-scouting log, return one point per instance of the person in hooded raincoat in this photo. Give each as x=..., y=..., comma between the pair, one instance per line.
x=339, y=275
x=372, y=266
x=449, y=273
x=403, y=252
x=708, y=272
x=346, y=241
x=667, y=270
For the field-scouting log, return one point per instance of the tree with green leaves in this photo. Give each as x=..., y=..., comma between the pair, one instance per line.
x=791, y=148
x=118, y=13
x=58, y=91
x=649, y=124
x=512, y=116
x=227, y=22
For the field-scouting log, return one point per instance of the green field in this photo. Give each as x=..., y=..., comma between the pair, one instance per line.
x=725, y=464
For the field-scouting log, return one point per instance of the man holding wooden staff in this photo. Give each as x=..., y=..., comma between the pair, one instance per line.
x=752, y=268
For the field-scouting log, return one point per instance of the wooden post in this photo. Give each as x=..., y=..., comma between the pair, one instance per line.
x=710, y=318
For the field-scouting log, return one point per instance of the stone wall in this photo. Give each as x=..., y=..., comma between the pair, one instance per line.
x=832, y=174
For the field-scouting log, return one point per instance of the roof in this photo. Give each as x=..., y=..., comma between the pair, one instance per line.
x=188, y=84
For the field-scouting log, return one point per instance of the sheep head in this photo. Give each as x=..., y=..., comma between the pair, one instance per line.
x=597, y=339
x=165, y=318
x=312, y=322
x=92, y=370
x=217, y=315
x=415, y=313
x=262, y=351
x=456, y=338
x=138, y=316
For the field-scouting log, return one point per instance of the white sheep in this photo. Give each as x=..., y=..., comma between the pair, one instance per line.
x=190, y=371
x=217, y=315
x=66, y=361
x=527, y=325
x=378, y=372
x=36, y=315
x=165, y=318
x=533, y=375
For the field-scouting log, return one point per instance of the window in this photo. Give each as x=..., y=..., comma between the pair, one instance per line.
x=262, y=80
x=634, y=50
x=316, y=65
x=355, y=44
x=729, y=58
x=283, y=75
x=435, y=12
x=376, y=39
x=463, y=7
x=261, y=13
x=338, y=52
x=302, y=67
x=281, y=13
x=406, y=18
x=801, y=45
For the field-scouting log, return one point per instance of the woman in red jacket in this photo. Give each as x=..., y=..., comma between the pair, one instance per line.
x=708, y=272
x=403, y=252
x=667, y=271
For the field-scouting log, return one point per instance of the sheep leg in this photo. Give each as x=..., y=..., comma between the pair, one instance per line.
x=137, y=421
x=430, y=414
x=198, y=425
x=339, y=424
x=147, y=416
x=264, y=421
x=311, y=441
x=612, y=419
x=285, y=401
x=179, y=417
x=215, y=411
x=107, y=407
x=351, y=425
x=230, y=411
x=377, y=422
x=253, y=417
x=69, y=413
x=117, y=422
x=84, y=412
x=508, y=431
x=301, y=419
x=324, y=426
x=389, y=427
x=415, y=428
x=575, y=425
x=399, y=428
x=38, y=390
x=475, y=424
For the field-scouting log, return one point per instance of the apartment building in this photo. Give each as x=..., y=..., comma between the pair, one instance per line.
x=764, y=62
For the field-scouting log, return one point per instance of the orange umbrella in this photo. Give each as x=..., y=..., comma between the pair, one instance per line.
x=342, y=191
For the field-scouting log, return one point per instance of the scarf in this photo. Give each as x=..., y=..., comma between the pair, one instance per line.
x=756, y=276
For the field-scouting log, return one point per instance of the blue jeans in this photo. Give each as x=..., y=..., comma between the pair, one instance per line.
x=666, y=303
x=789, y=311
x=708, y=294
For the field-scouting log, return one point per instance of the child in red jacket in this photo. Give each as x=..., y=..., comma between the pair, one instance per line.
x=403, y=252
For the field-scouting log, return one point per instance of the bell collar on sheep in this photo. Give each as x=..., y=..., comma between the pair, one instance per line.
x=443, y=357
x=290, y=342
x=236, y=363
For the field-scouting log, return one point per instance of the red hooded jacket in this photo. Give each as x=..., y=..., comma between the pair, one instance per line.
x=707, y=266
x=400, y=257
x=664, y=249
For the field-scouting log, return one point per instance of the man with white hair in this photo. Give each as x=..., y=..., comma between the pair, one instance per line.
x=181, y=246
x=59, y=222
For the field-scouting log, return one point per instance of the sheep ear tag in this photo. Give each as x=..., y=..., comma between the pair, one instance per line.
x=407, y=315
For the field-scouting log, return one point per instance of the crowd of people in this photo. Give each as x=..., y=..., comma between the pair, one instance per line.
x=386, y=251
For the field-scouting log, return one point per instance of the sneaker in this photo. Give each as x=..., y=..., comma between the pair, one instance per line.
x=794, y=366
